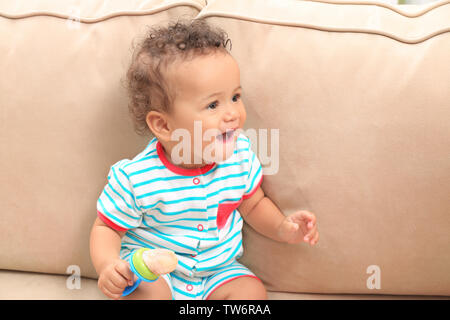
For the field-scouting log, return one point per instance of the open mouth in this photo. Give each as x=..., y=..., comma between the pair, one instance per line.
x=227, y=136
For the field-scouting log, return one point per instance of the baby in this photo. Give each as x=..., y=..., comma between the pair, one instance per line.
x=191, y=199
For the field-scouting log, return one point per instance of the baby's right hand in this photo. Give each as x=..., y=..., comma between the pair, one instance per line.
x=115, y=277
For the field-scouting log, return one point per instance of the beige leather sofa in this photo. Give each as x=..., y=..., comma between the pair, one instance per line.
x=358, y=91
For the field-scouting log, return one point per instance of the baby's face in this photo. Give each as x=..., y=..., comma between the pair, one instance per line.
x=208, y=105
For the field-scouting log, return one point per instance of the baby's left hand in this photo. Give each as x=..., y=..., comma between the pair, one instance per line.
x=299, y=226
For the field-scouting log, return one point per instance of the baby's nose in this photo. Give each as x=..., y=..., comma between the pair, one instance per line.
x=231, y=114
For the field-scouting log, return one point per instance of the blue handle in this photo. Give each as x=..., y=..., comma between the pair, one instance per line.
x=131, y=288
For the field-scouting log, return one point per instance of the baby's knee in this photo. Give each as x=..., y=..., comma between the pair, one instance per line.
x=257, y=291
x=243, y=288
x=248, y=288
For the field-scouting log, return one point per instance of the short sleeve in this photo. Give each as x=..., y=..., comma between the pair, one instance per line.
x=117, y=205
x=255, y=173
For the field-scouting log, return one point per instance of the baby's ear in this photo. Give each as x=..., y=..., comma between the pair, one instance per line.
x=158, y=125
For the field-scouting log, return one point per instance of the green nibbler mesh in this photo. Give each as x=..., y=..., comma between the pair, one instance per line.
x=141, y=267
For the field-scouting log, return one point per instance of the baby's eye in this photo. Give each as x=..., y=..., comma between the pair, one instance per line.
x=236, y=97
x=212, y=105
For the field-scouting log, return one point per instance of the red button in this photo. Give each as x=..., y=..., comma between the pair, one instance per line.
x=193, y=255
x=189, y=287
x=200, y=227
x=196, y=181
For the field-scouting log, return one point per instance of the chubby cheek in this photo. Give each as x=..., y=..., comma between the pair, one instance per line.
x=242, y=117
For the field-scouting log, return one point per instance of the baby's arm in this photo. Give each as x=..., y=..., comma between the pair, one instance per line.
x=265, y=217
x=114, y=273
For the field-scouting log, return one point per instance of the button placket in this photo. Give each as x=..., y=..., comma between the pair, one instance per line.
x=210, y=224
x=200, y=226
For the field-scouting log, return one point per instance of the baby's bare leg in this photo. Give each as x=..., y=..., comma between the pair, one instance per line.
x=243, y=288
x=157, y=290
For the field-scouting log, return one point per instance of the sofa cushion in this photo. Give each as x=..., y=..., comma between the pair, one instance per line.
x=360, y=96
x=40, y=286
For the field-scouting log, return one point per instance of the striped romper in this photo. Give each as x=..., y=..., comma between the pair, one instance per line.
x=192, y=212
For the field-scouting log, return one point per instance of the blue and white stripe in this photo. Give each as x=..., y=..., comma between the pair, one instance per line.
x=163, y=209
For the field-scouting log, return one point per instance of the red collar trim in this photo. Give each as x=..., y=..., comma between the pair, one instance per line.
x=179, y=170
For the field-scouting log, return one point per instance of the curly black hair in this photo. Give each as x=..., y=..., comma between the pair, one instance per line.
x=146, y=85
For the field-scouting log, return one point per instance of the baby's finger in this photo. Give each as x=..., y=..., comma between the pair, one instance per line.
x=119, y=281
x=309, y=217
x=310, y=235
x=302, y=227
x=111, y=295
x=114, y=294
x=304, y=216
x=124, y=270
x=113, y=288
x=316, y=238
